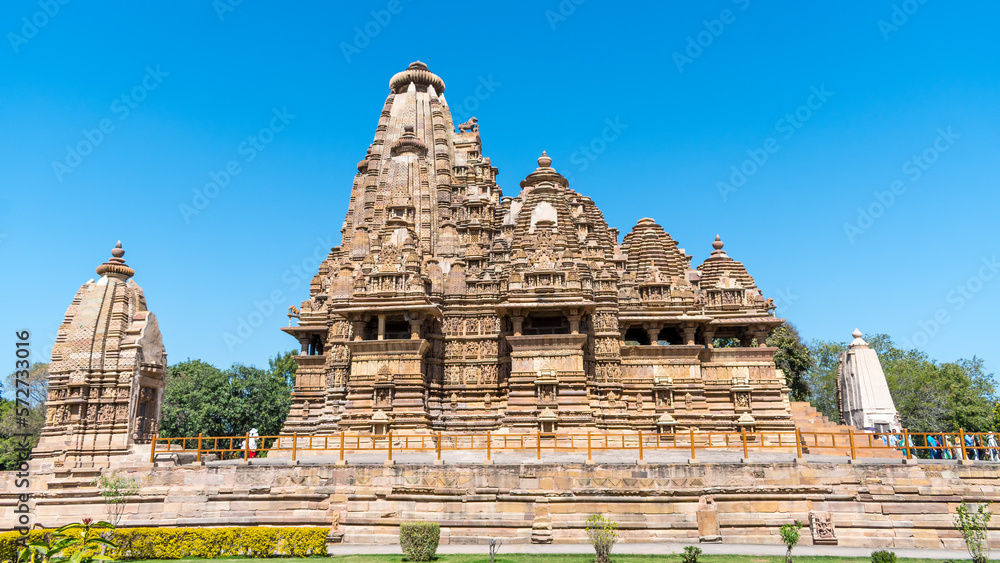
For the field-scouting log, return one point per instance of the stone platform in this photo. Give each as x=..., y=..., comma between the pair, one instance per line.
x=868, y=503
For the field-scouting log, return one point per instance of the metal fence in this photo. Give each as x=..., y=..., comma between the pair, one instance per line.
x=938, y=445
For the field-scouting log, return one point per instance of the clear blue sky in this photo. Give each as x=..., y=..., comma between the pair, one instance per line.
x=550, y=76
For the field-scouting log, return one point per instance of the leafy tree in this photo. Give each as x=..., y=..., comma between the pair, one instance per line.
x=200, y=398
x=191, y=400
x=821, y=378
x=793, y=358
x=13, y=422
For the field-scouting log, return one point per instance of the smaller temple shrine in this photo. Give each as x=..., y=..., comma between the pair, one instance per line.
x=862, y=391
x=106, y=375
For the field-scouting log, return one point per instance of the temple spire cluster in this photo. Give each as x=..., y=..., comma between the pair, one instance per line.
x=451, y=306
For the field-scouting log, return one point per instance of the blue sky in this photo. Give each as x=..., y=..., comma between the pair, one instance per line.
x=846, y=152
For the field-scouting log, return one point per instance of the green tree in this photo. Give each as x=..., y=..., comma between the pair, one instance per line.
x=200, y=398
x=14, y=421
x=821, y=378
x=793, y=358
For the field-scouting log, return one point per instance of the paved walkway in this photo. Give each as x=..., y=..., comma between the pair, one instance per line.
x=665, y=548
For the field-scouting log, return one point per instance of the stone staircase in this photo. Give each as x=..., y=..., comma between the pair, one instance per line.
x=820, y=436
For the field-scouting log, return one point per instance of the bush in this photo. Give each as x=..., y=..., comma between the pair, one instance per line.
x=603, y=534
x=691, y=554
x=419, y=540
x=177, y=543
x=790, y=537
x=973, y=528
x=883, y=556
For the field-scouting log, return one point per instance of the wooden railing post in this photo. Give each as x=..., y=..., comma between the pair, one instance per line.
x=388, y=436
x=589, y=458
x=439, y=445
x=538, y=443
x=798, y=444
x=743, y=435
x=640, y=445
x=152, y=449
x=489, y=446
x=295, y=444
x=692, y=441
x=199, y=447
x=246, y=447
x=906, y=444
x=961, y=440
x=342, y=438
x=854, y=454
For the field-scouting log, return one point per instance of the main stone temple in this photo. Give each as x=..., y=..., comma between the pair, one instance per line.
x=451, y=307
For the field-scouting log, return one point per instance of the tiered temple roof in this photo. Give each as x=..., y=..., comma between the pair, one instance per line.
x=451, y=306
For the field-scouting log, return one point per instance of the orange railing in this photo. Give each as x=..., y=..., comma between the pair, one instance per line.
x=954, y=445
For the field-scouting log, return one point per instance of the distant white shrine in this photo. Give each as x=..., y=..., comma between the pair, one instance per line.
x=862, y=392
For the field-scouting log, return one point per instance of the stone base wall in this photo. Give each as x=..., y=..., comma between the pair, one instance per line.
x=868, y=504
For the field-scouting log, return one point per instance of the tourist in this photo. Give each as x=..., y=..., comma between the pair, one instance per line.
x=932, y=443
x=970, y=447
x=992, y=443
x=252, y=446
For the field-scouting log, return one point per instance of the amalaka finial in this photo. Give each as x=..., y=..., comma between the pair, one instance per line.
x=856, y=333
x=718, y=244
x=115, y=266
x=544, y=161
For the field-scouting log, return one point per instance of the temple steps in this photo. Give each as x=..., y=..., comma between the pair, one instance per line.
x=833, y=438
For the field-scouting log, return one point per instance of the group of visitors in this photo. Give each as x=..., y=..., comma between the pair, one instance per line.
x=979, y=447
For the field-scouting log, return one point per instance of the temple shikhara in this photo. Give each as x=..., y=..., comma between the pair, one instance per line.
x=106, y=375
x=449, y=306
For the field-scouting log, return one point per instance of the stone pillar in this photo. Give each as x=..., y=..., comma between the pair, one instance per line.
x=654, y=334
x=381, y=327
x=761, y=336
x=689, y=332
x=709, y=339
x=574, y=324
x=359, y=330
x=541, y=525
x=708, y=520
x=414, y=327
x=517, y=322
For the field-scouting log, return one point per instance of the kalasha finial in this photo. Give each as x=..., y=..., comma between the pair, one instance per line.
x=544, y=161
x=115, y=266
x=718, y=244
x=858, y=341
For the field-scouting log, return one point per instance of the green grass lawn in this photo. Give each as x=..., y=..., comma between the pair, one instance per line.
x=556, y=558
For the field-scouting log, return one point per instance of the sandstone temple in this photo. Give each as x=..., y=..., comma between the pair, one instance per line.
x=106, y=375
x=449, y=306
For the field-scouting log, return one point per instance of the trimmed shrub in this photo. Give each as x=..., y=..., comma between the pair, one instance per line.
x=691, y=554
x=883, y=556
x=603, y=534
x=419, y=540
x=177, y=543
